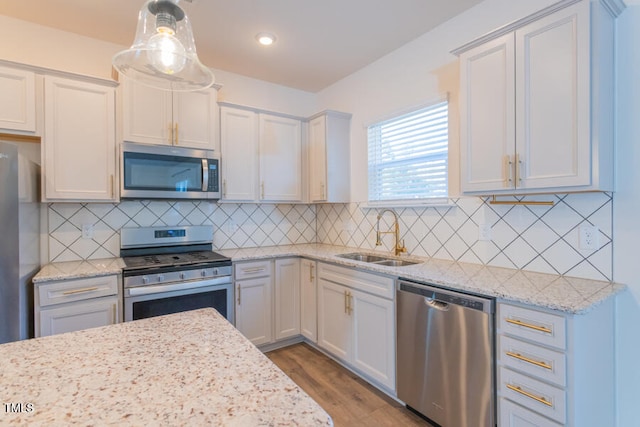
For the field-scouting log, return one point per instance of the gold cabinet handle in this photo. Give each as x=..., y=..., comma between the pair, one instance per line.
x=345, y=302
x=324, y=191
x=349, y=303
x=224, y=187
x=239, y=292
x=530, y=326
x=526, y=359
x=508, y=168
x=517, y=389
x=112, y=186
x=518, y=170
x=170, y=133
x=311, y=272
x=176, y=134
x=262, y=190
x=253, y=270
x=80, y=291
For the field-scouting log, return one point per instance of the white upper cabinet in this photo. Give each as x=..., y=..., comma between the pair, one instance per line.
x=18, y=100
x=153, y=116
x=329, y=157
x=280, y=158
x=536, y=104
x=239, y=152
x=79, y=150
x=261, y=156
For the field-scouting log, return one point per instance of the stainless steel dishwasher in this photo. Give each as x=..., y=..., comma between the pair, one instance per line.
x=445, y=363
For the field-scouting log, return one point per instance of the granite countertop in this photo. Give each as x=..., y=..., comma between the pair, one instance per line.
x=79, y=269
x=190, y=368
x=567, y=294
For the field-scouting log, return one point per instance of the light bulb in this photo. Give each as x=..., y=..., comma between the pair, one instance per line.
x=166, y=53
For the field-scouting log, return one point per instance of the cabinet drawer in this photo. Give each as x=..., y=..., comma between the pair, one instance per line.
x=512, y=415
x=368, y=282
x=248, y=270
x=77, y=290
x=540, y=362
x=539, y=397
x=544, y=328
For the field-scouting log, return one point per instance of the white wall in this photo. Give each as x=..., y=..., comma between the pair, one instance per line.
x=42, y=46
x=413, y=75
x=626, y=208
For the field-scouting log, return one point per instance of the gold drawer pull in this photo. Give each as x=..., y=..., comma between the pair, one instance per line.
x=530, y=326
x=526, y=359
x=529, y=395
x=253, y=270
x=80, y=291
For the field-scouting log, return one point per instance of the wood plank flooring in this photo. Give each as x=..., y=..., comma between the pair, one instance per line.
x=348, y=399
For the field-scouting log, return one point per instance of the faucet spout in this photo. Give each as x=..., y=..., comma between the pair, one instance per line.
x=399, y=246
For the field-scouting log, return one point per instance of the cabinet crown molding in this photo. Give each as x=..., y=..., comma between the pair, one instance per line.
x=614, y=7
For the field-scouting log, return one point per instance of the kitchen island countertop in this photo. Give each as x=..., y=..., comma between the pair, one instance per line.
x=190, y=368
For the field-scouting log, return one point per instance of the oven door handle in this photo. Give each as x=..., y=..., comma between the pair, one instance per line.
x=156, y=289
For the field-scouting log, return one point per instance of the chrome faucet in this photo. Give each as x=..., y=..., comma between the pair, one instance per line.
x=399, y=248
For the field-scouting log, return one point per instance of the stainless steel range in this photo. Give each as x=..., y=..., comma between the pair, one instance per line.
x=173, y=269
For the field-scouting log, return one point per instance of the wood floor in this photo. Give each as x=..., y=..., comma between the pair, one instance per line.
x=348, y=399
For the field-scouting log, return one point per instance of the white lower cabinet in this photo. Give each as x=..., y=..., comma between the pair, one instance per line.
x=308, y=300
x=254, y=287
x=554, y=368
x=287, y=298
x=268, y=299
x=72, y=305
x=355, y=326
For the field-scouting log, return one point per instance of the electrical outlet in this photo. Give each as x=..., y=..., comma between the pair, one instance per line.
x=484, y=232
x=87, y=231
x=589, y=238
x=232, y=227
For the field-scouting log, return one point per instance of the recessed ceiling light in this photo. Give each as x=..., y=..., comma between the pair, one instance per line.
x=266, y=39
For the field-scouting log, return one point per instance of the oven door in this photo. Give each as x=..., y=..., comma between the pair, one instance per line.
x=157, y=300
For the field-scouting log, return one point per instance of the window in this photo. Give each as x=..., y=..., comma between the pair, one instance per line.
x=408, y=155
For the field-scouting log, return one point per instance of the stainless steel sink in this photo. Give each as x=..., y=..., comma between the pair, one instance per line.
x=395, y=262
x=362, y=257
x=375, y=259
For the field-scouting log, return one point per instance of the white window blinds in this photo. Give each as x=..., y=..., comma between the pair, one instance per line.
x=408, y=155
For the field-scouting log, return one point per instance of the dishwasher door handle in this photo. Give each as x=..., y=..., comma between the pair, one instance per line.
x=435, y=304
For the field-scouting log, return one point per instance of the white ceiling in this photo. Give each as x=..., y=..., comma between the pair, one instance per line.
x=318, y=41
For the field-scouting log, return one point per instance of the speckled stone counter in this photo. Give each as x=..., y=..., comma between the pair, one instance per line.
x=79, y=269
x=567, y=294
x=191, y=368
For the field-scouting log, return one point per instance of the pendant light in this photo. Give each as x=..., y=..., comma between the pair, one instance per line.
x=163, y=54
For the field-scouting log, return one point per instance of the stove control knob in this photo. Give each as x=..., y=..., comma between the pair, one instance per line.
x=203, y=273
x=160, y=277
x=145, y=280
x=215, y=271
x=181, y=276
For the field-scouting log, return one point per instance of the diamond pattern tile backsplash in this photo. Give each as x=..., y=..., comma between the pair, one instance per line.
x=536, y=238
x=529, y=237
x=235, y=225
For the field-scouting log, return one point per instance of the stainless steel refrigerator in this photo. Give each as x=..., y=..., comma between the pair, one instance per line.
x=19, y=240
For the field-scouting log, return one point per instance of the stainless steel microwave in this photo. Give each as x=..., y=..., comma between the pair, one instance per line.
x=165, y=172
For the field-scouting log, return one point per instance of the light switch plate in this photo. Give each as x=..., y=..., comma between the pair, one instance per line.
x=87, y=231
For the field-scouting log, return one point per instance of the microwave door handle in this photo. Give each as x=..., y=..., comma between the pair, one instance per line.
x=205, y=175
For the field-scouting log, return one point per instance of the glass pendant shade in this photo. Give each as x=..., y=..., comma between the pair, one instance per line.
x=163, y=54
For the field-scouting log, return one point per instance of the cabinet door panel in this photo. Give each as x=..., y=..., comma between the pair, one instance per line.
x=253, y=309
x=487, y=109
x=374, y=338
x=18, y=106
x=78, y=316
x=287, y=295
x=146, y=114
x=552, y=101
x=335, y=325
x=280, y=158
x=318, y=159
x=79, y=160
x=308, y=300
x=193, y=116
x=239, y=147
